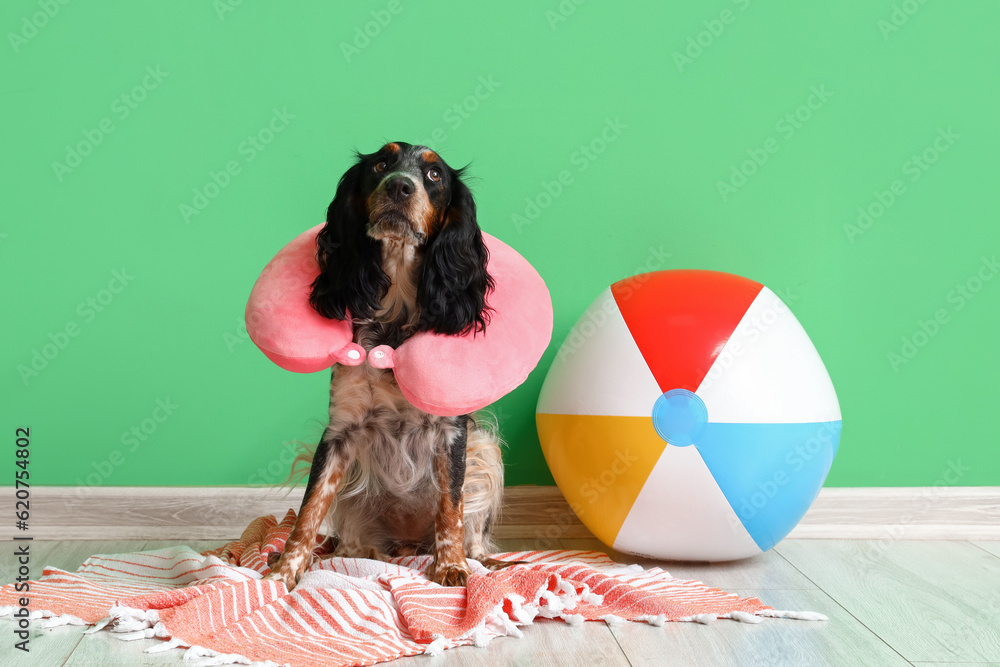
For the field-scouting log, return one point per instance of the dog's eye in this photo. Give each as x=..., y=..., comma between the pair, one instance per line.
x=433, y=174
x=380, y=166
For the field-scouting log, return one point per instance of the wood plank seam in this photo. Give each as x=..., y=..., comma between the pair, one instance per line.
x=840, y=604
x=536, y=512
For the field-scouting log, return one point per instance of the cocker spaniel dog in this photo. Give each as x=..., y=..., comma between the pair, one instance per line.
x=401, y=253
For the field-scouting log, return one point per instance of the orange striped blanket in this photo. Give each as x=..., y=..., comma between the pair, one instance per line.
x=349, y=611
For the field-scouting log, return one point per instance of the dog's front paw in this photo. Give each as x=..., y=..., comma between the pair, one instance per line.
x=287, y=571
x=290, y=579
x=449, y=574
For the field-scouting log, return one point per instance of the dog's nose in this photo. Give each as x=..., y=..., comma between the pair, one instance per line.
x=399, y=187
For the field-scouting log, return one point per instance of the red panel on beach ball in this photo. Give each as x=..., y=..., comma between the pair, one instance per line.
x=680, y=320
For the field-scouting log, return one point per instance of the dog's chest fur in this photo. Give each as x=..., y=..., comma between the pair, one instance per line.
x=393, y=468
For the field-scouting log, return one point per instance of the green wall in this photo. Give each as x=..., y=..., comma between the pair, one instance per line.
x=211, y=134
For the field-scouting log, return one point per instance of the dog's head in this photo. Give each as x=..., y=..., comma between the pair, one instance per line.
x=409, y=189
x=407, y=195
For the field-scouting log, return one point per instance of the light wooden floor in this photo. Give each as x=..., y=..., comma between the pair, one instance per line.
x=890, y=603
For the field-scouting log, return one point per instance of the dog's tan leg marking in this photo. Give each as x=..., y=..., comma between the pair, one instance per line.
x=297, y=555
x=450, y=567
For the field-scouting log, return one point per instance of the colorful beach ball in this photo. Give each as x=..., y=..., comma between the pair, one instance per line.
x=688, y=416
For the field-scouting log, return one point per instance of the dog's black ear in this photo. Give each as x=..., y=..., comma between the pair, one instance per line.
x=454, y=282
x=351, y=276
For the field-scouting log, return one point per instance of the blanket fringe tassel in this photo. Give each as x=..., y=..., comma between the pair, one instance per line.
x=50, y=619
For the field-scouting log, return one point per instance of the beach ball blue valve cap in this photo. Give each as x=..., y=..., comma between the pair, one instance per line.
x=680, y=417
